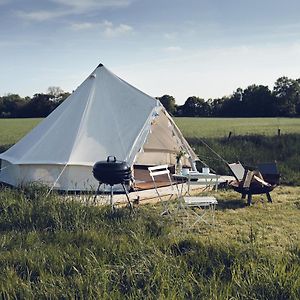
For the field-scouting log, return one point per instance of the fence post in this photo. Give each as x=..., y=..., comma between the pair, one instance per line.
x=229, y=136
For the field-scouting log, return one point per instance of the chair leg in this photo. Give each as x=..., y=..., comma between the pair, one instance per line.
x=249, y=199
x=269, y=197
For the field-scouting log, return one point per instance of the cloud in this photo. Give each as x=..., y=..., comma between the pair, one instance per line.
x=87, y=5
x=170, y=35
x=83, y=26
x=108, y=29
x=111, y=31
x=70, y=7
x=173, y=49
x=17, y=43
x=40, y=15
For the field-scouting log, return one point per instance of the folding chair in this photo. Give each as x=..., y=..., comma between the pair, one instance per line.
x=269, y=172
x=161, y=172
x=254, y=182
x=203, y=208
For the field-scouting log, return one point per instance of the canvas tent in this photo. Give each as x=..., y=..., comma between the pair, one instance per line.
x=103, y=116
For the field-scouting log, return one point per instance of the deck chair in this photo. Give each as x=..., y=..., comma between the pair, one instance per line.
x=250, y=182
x=157, y=173
x=270, y=172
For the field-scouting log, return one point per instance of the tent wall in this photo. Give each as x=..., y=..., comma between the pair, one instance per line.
x=69, y=178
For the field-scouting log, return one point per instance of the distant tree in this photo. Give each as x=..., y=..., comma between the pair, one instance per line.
x=62, y=97
x=287, y=96
x=229, y=106
x=39, y=106
x=54, y=91
x=169, y=103
x=257, y=101
x=254, y=101
x=298, y=97
x=57, y=94
x=11, y=106
x=195, y=107
x=217, y=106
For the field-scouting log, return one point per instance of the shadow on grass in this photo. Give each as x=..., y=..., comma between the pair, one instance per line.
x=231, y=204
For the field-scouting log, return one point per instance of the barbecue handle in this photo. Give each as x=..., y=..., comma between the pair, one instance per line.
x=114, y=158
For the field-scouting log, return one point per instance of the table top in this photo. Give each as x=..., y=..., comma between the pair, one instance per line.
x=202, y=175
x=194, y=174
x=179, y=177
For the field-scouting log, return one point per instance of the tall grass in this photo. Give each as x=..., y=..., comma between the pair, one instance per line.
x=64, y=250
x=251, y=150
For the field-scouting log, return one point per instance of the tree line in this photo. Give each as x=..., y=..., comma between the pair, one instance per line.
x=38, y=106
x=254, y=101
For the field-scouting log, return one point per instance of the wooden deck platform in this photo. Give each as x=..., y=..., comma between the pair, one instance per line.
x=145, y=192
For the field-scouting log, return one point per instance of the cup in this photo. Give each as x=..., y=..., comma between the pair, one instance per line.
x=205, y=170
x=185, y=171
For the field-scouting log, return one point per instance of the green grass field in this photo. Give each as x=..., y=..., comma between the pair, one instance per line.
x=220, y=127
x=11, y=130
x=54, y=249
x=58, y=248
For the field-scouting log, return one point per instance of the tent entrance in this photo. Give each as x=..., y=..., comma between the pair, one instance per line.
x=163, y=142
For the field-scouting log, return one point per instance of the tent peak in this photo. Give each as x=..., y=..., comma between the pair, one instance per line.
x=100, y=65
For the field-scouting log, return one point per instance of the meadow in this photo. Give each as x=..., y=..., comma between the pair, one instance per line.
x=54, y=247
x=11, y=130
x=220, y=127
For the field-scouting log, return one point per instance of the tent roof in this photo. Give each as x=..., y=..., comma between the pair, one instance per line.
x=104, y=116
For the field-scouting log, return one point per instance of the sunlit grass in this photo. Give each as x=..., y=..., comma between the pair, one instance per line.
x=220, y=127
x=272, y=227
x=12, y=130
x=56, y=247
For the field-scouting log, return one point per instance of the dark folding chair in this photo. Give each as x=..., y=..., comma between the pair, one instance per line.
x=250, y=182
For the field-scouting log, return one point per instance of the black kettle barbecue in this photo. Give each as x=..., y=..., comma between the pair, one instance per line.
x=112, y=171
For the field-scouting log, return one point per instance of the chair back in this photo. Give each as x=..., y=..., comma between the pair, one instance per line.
x=158, y=171
x=268, y=168
x=269, y=172
x=237, y=170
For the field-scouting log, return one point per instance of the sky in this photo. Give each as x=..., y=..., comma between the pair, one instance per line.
x=203, y=48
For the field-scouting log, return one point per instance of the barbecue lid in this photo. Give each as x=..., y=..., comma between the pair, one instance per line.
x=111, y=164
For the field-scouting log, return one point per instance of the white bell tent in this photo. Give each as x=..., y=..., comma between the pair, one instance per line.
x=104, y=116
